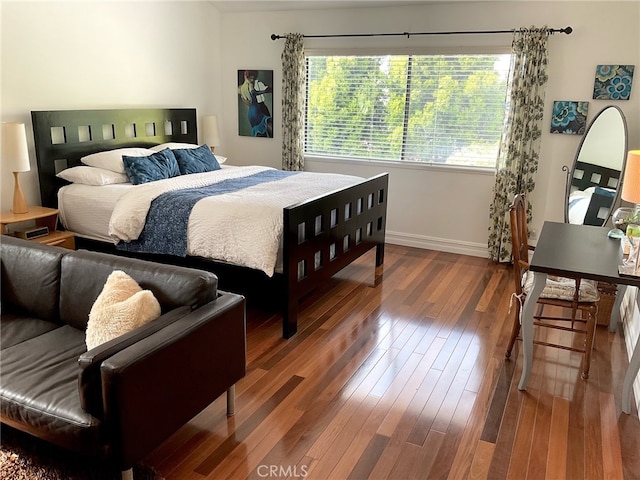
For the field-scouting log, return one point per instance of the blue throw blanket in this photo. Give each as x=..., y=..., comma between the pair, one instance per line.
x=165, y=230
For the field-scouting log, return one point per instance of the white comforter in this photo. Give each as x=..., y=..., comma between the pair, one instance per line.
x=243, y=227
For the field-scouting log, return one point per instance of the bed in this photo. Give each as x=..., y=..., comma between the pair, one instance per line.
x=319, y=234
x=591, y=194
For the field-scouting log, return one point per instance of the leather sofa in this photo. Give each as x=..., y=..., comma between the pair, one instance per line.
x=121, y=399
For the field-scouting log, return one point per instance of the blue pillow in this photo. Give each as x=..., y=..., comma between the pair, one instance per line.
x=158, y=166
x=606, y=192
x=196, y=160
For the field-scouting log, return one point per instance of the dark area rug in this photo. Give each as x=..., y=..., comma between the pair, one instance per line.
x=24, y=457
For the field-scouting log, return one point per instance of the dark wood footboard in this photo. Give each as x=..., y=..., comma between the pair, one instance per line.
x=325, y=234
x=321, y=236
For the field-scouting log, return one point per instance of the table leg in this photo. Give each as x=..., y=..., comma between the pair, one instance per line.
x=615, y=310
x=629, y=377
x=526, y=319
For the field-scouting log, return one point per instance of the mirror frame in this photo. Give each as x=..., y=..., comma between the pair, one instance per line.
x=569, y=171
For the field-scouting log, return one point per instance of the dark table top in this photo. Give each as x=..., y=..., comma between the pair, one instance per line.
x=584, y=251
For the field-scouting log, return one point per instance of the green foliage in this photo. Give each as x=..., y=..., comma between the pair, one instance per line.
x=453, y=106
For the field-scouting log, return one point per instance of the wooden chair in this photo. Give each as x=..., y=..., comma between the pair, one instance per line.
x=576, y=295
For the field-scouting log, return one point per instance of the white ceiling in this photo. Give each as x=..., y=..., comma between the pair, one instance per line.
x=279, y=5
x=275, y=5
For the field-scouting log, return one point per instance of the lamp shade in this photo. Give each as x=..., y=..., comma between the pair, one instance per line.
x=15, y=154
x=631, y=183
x=210, y=130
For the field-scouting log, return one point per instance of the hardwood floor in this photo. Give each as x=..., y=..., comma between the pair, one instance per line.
x=400, y=373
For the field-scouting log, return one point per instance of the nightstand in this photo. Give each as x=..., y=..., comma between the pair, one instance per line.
x=43, y=217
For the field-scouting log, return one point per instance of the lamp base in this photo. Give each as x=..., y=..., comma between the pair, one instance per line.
x=633, y=229
x=19, y=202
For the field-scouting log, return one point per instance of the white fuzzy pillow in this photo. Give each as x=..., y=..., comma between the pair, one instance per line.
x=121, y=307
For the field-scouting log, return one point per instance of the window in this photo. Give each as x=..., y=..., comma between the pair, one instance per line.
x=435, y=109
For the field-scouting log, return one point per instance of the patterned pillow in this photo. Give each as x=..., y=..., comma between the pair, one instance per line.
x=563, y=288
x=122, y=306
x=157, y=166
x=196, y=160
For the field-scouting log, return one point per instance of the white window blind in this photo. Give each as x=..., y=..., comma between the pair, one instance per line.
x=437, y=109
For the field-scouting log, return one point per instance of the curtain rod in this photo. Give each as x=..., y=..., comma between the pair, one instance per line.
x=566, y=30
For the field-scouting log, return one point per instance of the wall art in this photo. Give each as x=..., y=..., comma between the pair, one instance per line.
x=569, y=117
x=255, y=103
x=613, y=82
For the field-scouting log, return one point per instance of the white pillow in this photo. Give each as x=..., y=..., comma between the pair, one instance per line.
x=122, y=306
x=173, y=146
x=112, y=159
x=92, y=176
x=177, y=145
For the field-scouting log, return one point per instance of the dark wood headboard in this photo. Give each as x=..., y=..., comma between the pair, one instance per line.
x=63, y=137
x=595, y=176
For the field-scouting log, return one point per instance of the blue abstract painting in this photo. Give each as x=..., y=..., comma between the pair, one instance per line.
x=569, y=117
x=613, y=82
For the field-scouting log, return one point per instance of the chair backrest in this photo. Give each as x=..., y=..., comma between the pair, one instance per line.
x=519, y=235
x=83, y=275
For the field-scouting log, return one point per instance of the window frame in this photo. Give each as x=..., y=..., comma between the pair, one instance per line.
x=418, y=50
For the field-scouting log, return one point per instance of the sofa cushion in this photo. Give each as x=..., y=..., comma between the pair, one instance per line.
x=84, y=274
x=39, y=390
x=122, y=306
x=16, y=328
x=36, y=295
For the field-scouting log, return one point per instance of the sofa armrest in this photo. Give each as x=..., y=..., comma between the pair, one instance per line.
x=155, y=386
x=89, y=378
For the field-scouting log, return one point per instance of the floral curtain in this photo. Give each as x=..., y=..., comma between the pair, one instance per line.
x=520, y=144
x=293, y=88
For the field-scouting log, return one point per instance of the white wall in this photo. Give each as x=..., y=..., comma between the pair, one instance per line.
x=83, y=55
x=429, y=207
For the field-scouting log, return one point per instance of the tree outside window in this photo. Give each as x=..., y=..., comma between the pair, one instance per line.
x=435, y=109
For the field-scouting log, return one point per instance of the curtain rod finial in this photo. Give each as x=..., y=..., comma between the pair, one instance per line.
x=276, y=37
x=567, y=30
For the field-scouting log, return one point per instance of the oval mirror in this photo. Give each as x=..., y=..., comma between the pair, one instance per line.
x=592, y=182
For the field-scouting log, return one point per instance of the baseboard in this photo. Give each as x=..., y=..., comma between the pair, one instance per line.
x=439, y=244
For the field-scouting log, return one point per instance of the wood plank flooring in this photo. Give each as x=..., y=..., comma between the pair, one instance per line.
x=399, y=373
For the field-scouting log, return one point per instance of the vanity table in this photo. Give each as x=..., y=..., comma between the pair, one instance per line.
x=576, y=251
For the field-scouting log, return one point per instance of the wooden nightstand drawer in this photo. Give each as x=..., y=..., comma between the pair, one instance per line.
x=59, y=239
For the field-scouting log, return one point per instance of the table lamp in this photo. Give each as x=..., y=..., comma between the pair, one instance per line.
x=631, y=193
x=631, y=182
x=631, y=186
x=15, y=156
x=210, y=131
